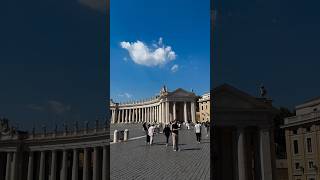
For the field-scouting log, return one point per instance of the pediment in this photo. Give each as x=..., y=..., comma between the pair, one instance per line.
x=181, y=93
x=228, y=97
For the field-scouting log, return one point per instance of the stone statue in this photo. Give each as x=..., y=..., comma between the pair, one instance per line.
x=4, y=126
x=263, y=91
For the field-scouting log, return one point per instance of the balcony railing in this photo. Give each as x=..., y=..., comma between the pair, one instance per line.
x=314, y=116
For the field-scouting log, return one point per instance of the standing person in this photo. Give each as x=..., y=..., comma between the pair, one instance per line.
x=145, y=128
x=151, y=133
x=167, y=132
x=197, y=128
x=175, y=137
x=208, y=128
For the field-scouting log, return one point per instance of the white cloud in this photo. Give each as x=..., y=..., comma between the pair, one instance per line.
x=53, y=106
x=126, y=95
x=58, y=107
x=141, y=54
x=125, y=59
x=99, y=5
x=175, y=68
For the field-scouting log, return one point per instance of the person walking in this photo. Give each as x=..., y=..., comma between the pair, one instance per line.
x=175, y=135
x=145, y=128
x=197, y=128
x=207, y=128
x=167, y=132
x=151, y=133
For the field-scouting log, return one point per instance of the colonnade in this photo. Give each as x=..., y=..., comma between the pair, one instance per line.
x=158, y=112
x=11, y=166
x=263, y=151
x=63, y=164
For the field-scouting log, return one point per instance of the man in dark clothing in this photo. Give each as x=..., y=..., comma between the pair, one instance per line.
x=167, y=132
x=175, y=138
x=145, y=128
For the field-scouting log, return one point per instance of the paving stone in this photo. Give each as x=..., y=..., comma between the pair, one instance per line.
x=136, y=160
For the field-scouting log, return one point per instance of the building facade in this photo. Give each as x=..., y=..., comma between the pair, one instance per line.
x=204, y=108
x=243, y=129
x=303, y=141
x=68, y=155
x=177, y=105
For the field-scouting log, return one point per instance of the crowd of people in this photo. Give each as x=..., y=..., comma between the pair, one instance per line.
x=172, y=130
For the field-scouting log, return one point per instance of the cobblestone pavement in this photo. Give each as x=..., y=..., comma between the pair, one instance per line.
x=135, y=160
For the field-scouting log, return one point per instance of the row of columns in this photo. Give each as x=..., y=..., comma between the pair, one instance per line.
x=157, y=113
x=98, y=171
x=264, y=155
x=11, y=166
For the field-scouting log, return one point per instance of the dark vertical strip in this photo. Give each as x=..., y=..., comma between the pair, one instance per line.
x=108, y=81
x=212, y=21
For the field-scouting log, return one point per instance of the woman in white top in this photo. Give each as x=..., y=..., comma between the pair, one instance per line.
x=197, y=128
x=151, y=133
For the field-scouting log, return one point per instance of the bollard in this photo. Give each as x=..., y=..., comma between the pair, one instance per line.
x=126, y=135
x=115, y=136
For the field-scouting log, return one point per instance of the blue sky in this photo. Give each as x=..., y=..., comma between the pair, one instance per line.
x=52, y=62
x=271, y=42
x=181, y=24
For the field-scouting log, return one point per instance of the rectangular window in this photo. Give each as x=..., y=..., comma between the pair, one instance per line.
x=309, y=146
x=297, y=165
x=201, y=107
x=310, y=164
x=294, y=131
x=295, y=146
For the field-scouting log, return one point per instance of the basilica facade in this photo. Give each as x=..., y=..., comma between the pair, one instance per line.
x=177, y=105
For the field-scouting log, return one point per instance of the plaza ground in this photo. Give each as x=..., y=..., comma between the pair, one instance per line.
x=135, y=160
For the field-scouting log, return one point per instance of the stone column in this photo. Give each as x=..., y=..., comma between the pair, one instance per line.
x=105, y=168
x=122, y=117
x=111, y=117
x=185, y=112
x=53, y=165
x=174, y=111
x=156, y=115
x=167, y=112
x=136, y=115
x=147, y=114
x=126, y=115
x=95, y=164
x=160, y=113
x=63, y=173
x=265, y=155
x=133, y=115
x=163, y=115
x=75, y=164
x=119, y=116
x=30, y=166
x=8, y=166
x=151, y=114
x=130, y=115
x=42, y=165
x=142, y=117
x=85, y=175
x=241, y=154
x=114, y=115
x=14, y=166
x=140, y=112
x=193, y=112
